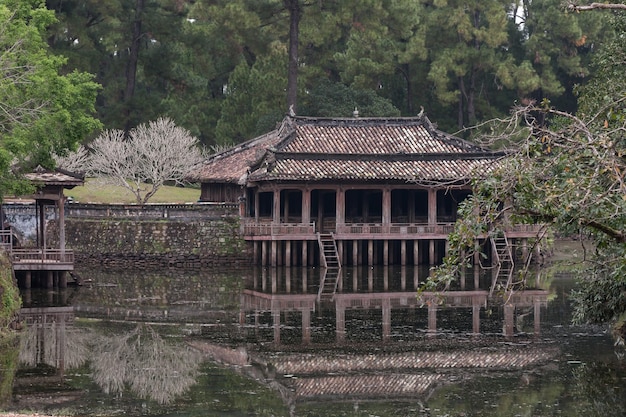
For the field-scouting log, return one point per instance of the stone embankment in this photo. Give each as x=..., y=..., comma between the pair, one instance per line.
x=176, y=235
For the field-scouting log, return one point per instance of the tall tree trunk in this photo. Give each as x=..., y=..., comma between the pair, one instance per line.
x=292, y=75
x=471, y=99
x=459, y=116
x=405, y=70
x=133, y=58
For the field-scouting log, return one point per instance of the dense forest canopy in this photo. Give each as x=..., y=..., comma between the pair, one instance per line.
x=220, y=68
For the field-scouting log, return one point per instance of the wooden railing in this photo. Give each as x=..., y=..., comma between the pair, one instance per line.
x=6, y=240
x=268, y=228
x=272, y=229
x=33, y=255
x=394, y=228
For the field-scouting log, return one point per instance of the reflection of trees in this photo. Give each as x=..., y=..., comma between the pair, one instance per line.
x=592, y=390
x=143, y=361
x=54, y=343
x=599, y=390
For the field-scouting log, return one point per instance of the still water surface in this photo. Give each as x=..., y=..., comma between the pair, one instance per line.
x=254, y=342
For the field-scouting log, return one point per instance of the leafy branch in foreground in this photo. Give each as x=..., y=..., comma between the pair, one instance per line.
x=565, y=172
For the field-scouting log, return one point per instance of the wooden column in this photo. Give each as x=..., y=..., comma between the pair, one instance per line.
x=340, y=207
x=403, y=252
x=432, y=206
x=370, y=252
x=305, y=280
x=306, y=206
x=355, y=252
x=385, y=252
x=274, y=254
x=255, y=251
x=286, y=207
x=257, y=205
x=264, y=253
x=42, y=225
x=386, y=206
x=264, y=279
x=276, y=207
x=61, y=207
x=274, y=280
x=288, y=253
x=416, y=252
x=287, y=280
x=340, y=251
x=305, y=253
x=431, y=252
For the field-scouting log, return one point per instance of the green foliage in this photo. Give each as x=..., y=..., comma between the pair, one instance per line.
x=329, y=99
x=10, y=301
x=44, y=111
x=10, y=350
x=255, y=94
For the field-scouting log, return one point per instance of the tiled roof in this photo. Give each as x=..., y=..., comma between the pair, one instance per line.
x=419, y=171
x=232, y=165
x=59, y=177
x=355, y=149
x=372, y=136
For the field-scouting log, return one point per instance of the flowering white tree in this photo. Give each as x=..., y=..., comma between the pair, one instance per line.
x=145, y=159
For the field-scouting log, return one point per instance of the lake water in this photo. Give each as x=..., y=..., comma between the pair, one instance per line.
x=254, y=342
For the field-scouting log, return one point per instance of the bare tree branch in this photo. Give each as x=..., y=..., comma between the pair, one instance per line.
x=142, y=162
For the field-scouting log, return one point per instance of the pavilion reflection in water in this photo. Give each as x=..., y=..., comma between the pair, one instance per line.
x=383, y=302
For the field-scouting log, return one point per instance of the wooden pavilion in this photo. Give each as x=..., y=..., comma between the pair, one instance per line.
x=47, y=264
x=351, y=191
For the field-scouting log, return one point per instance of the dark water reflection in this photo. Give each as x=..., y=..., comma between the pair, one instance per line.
x=255, y=342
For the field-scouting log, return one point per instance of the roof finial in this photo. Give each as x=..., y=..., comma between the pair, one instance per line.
x=421, y=113
x=292, y=112
x=355, y=113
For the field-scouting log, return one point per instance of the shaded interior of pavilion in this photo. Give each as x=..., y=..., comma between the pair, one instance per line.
x=371, y=226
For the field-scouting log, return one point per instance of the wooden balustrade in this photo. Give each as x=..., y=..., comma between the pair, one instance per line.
x=6, y=240
x=273, y=229
x=30, y=256
x=268, y=228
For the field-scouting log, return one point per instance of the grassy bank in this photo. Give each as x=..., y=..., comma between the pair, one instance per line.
x=96, y=192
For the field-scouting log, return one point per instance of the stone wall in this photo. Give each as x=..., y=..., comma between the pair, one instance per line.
x=197, y=243
x=190, y=236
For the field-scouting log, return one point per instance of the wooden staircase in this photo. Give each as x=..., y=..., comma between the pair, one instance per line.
x=503, y=258
x=332, y=267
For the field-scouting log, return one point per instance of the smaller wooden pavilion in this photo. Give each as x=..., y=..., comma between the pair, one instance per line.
x=46, y=264
x=373, y=190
